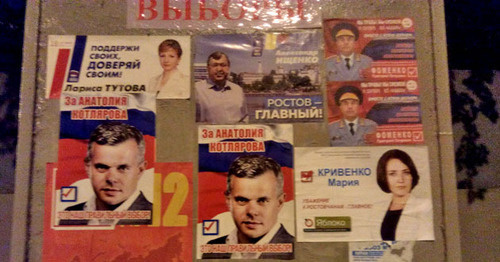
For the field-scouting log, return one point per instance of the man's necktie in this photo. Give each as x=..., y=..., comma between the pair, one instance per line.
x=347, y=64
x=351, y=128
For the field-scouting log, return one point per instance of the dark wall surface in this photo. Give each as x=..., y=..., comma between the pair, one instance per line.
x=473, y=34
x=11, y=47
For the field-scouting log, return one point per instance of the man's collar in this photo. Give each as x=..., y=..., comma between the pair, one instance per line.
x=345, y=122
x=220, y=89
x=216, y=87
x=232, y=239
x=355, y=121
x=90, y=205
x=351, y=57
x=130, y=200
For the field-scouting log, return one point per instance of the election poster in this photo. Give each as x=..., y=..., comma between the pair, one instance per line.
x=370, y=49
x=106, y=161
x=83, y=64
x=381, y=251
x=242, y=14
x=168, y=238
x=258, y=78
x=246, y=197
x=348, y=194
x=381, y=113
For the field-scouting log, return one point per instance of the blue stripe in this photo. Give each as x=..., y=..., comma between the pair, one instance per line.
x=76, y=61
x=382, y=113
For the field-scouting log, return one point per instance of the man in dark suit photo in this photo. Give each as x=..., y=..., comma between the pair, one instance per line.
x=114, y=163
x=254, y=196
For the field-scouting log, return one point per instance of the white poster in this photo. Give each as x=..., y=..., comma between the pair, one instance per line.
x=127, y=64
x=363, y=194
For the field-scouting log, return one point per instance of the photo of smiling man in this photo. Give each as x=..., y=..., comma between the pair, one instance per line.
x=218, y=100
x=254, y=197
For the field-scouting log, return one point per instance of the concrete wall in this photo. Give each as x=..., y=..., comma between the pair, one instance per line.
x=6, y=203
x=479, y=230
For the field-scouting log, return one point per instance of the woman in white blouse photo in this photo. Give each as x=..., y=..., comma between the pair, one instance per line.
x=171, y=83
x=405, y=217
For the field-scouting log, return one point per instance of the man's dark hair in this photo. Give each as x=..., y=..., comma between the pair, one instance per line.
x=348, y=89
x=170, y=43
x=382, y=168
x=347, y=26
x=251, y=166
x=218, y=55
x=113, y=133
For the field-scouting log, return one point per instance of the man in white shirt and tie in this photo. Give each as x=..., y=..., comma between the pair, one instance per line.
x=346, y=65
x=350, y=130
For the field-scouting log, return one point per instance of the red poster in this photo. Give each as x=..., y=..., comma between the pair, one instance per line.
x=168, y=238
x=373, y=92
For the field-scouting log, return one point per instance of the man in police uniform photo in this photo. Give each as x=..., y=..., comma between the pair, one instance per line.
x=350, y=130
x=346, y=65
x=254, y=196
x=114, y=163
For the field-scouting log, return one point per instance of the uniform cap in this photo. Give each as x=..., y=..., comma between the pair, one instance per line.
x=344, y=32
x=349, y=95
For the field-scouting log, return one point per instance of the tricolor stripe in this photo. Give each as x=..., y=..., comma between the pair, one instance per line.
x=59, y=72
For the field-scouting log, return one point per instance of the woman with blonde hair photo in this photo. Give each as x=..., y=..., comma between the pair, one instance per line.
x=171, y=83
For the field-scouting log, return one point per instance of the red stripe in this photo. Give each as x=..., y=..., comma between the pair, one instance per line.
x=59, y=73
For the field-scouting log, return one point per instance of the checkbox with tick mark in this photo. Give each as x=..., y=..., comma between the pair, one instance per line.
x=69, y=193
x=210, y=227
